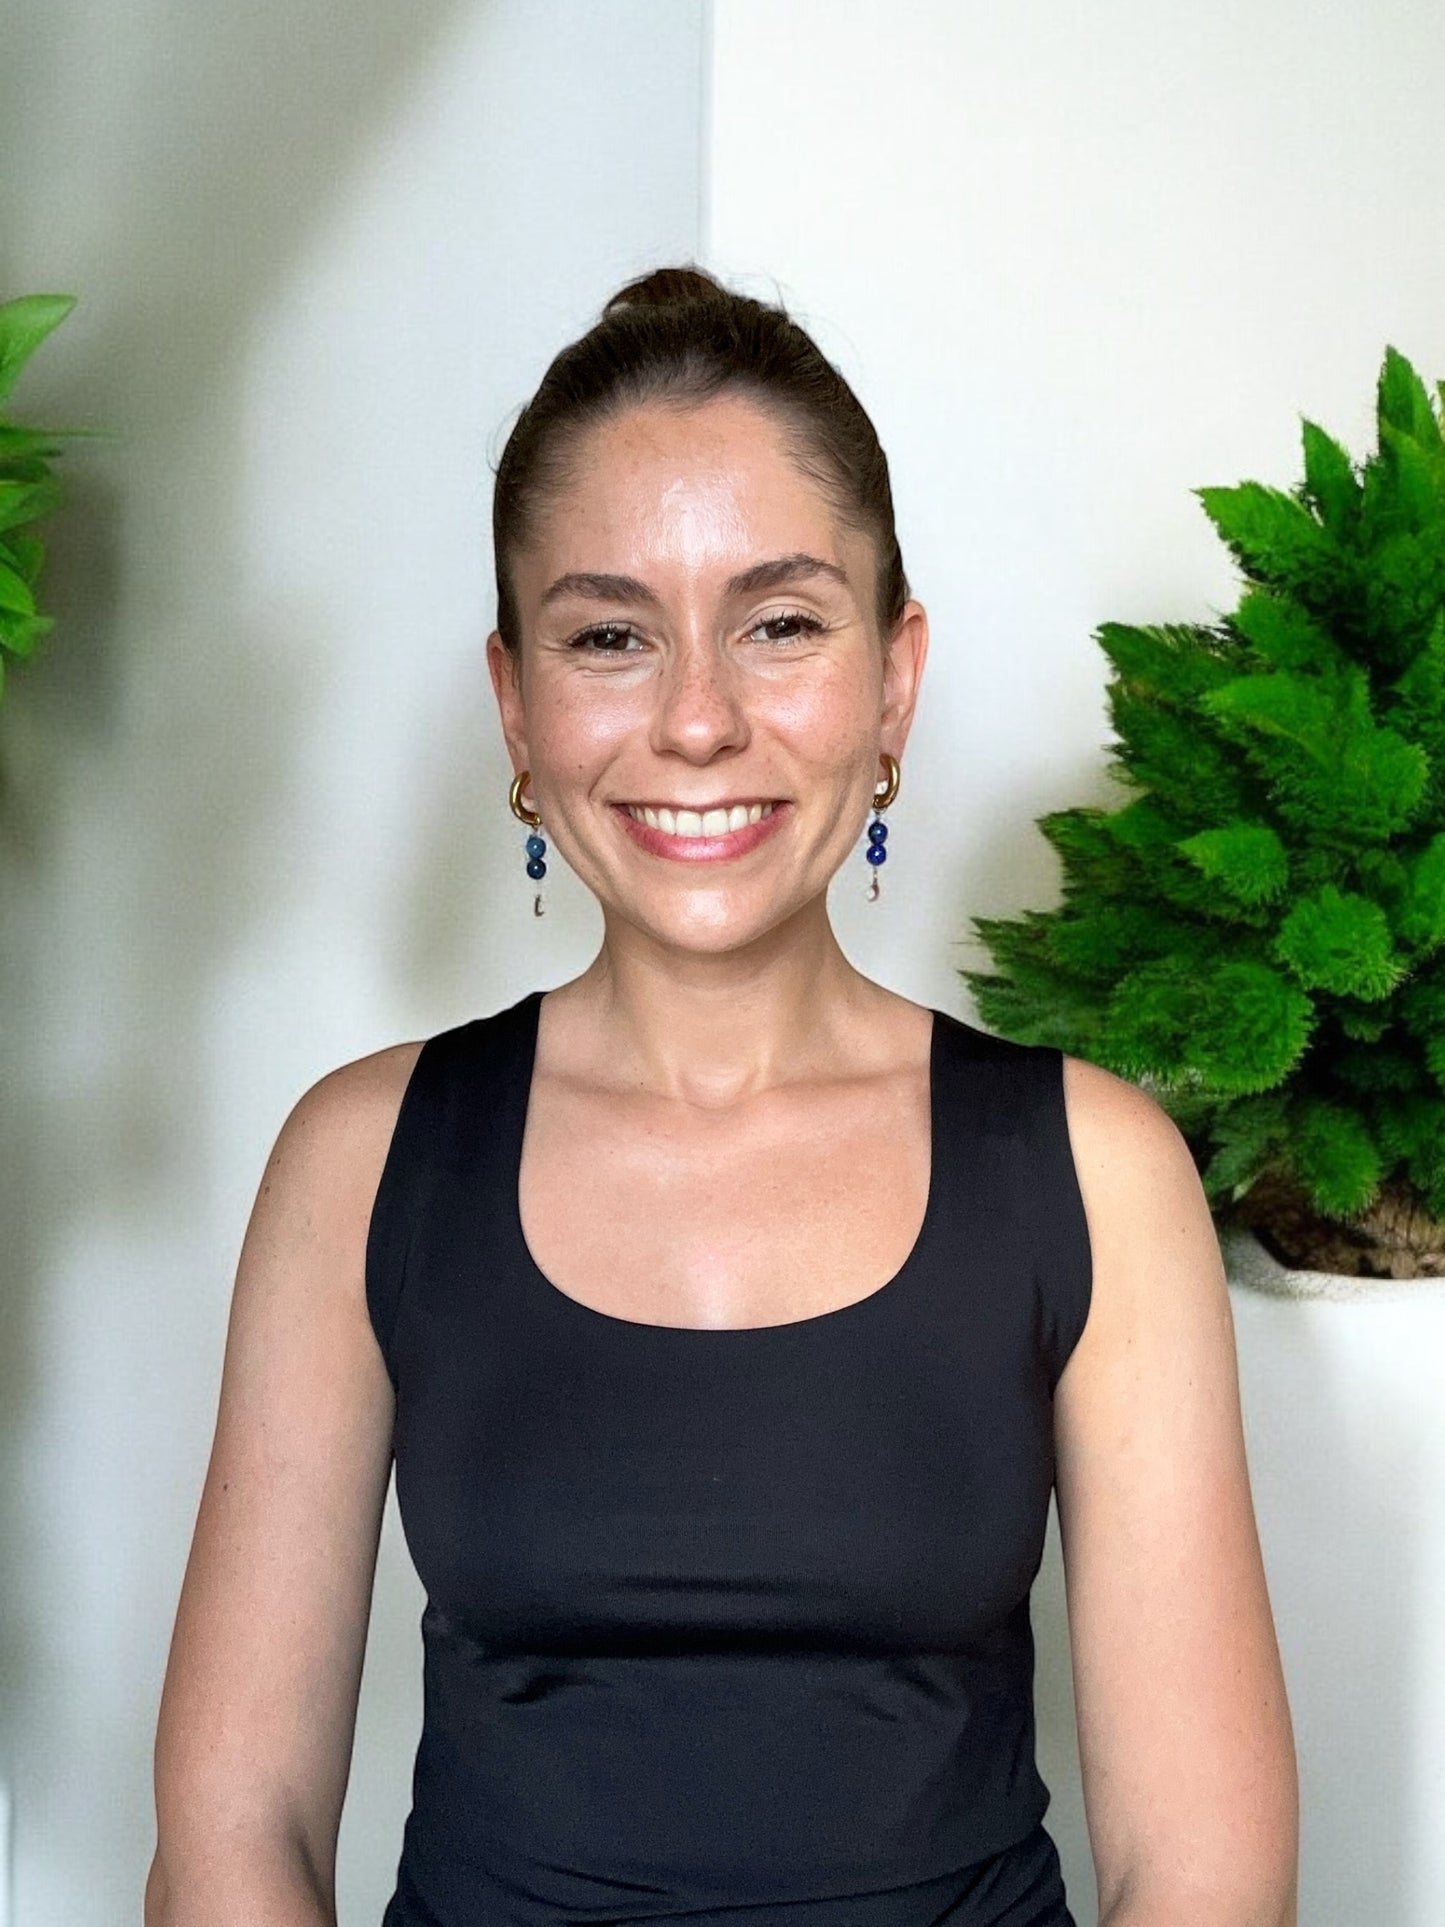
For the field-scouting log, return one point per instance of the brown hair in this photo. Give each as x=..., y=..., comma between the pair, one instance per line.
x=679, y=336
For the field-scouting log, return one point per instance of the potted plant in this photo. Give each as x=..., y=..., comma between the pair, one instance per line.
x=1258, y=935
x=29, y=489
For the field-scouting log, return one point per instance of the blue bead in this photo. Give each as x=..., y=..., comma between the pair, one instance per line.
x=536, y=846
x=876, y=853
x=536, y=869
x=877, y=832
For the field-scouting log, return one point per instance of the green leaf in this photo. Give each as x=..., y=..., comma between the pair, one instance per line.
x=1275, y=540
x=19, y=634
x=19, y=443
x=1403, y=401
x=1247, y=860
x=24, y=324
x=1404, y=590
x=1421, y=917
x=1099, y=940
x=1334, y=1157
x=1152, y=834
x=1170, y=661
x=1175, y=753
x=1339, y=941
x=22, y=502
x=1377, y=1067
x=1284, y=633
x=15, y=592
x=1330, y=480
x=1417, y=475
x=1240, y=1027
x=24, y=553
x=1331, y=769
x=1245, y=1135
x=1355, y=1020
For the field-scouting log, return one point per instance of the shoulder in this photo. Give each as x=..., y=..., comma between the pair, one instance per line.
x=1159, y=1286
x=355, y=1102
x=324, y=1167
x=1134, y=1165
x=349, y=1113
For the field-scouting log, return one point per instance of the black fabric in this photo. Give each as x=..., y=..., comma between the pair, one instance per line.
x=728, y=1627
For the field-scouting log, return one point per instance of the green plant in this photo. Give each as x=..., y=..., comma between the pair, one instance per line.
x=1258, y=935
x=29, y=489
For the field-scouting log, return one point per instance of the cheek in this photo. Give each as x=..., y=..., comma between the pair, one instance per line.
x=574, y=727
x=826, y=719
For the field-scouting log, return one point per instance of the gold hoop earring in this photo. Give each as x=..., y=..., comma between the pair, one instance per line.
x=519, y=809
x=536, y=845
x=891, y=781
x=877, y=852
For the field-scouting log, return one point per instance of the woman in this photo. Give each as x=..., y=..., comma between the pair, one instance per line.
x=730, y=1316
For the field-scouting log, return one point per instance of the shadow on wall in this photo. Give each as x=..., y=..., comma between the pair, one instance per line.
x=166, y=163
x=170, y=161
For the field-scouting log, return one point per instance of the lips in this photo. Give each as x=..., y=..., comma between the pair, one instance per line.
x=707, y=847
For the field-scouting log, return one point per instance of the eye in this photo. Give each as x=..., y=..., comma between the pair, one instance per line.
x=610, y=638
x=599, y=639
x=802, y=625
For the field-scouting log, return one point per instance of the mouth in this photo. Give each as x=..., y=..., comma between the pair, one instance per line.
x=714, y=822
x=701, y=835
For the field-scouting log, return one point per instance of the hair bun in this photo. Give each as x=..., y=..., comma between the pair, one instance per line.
x=667, y=288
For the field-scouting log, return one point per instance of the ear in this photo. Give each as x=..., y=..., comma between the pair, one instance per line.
x=506, y=674
x=902, y=675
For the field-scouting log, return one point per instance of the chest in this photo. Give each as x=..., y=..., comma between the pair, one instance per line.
x=785, y=1209
x=879, y=1478
x=811, y=1412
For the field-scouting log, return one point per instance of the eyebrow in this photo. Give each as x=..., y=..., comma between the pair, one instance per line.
x=776, y=573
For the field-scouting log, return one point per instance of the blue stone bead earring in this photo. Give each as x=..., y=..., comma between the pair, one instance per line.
x=876, y=852
x=536, y=845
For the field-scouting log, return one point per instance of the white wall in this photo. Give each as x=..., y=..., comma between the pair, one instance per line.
x=1079, y=261
x=255, y=815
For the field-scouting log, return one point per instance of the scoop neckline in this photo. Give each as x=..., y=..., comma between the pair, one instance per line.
x=564, y=1303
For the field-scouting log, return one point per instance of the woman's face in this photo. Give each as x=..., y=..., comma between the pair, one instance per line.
x=698, y=636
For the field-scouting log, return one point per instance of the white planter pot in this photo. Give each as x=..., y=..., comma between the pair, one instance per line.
x=1249, y=1264
x=1342, y=1382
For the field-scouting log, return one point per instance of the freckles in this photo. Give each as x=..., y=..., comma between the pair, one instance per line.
x=581, y=723
x=828, y=707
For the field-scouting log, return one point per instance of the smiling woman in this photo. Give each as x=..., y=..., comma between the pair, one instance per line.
x=729, y=1318
x=698, y=575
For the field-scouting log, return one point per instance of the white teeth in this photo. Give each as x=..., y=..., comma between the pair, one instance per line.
x=701, y=823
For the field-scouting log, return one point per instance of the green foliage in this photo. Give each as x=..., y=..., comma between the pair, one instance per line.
x=29, y=490
x=1259, y=933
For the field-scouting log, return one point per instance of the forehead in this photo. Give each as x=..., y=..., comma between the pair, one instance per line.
x=696, y=484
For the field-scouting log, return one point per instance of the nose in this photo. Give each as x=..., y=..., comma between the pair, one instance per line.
x=700, y=708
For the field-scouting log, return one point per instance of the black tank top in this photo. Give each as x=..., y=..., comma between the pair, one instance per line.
x=727, y=1626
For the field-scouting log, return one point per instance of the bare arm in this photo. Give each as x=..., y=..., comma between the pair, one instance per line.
x=1186, y=1746
x=258, y=1713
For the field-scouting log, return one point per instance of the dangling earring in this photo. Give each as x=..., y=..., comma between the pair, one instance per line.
x=536, y=846
x=878, y=830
